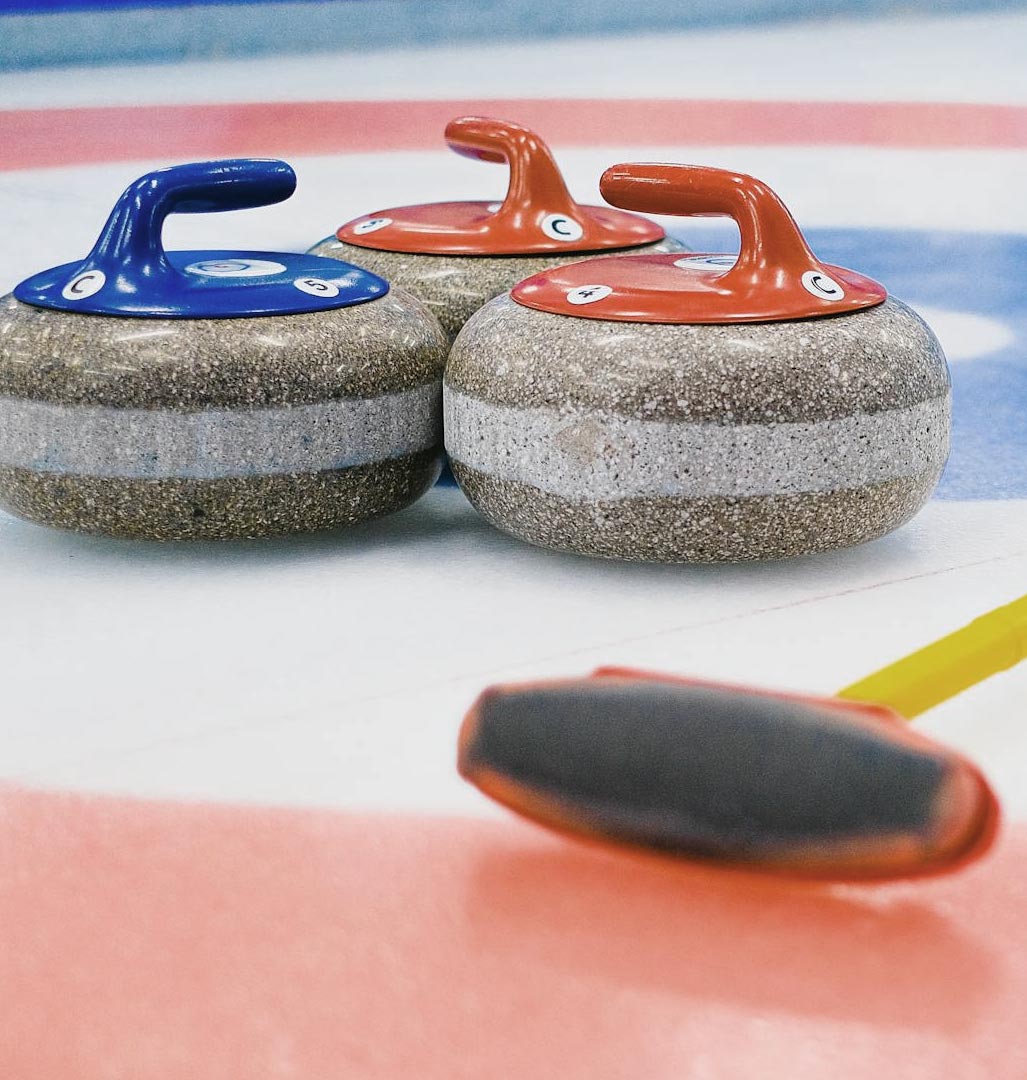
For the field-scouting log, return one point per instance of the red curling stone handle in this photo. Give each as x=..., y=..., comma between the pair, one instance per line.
x=771, y=243
x=536, y=185
x=774, y=277
x=537, y=215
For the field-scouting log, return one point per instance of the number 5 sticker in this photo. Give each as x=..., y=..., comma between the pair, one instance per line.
x=316, y=286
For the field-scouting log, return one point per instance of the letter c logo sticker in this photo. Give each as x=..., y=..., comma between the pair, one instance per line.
x=561, y=227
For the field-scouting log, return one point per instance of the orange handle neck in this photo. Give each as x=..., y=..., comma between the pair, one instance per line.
x=536, y=185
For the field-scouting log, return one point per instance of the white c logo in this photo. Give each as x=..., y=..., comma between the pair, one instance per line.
x=83, y=285
x=821, y=286
x=561, y=227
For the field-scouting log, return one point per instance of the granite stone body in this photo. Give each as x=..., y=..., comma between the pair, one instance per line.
x=683, y=443
x=455, y=286
x=215, y=428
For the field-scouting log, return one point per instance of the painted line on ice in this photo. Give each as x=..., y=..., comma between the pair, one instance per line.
x=36, y=138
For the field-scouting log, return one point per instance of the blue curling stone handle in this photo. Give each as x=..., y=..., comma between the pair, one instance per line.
x=128, y=272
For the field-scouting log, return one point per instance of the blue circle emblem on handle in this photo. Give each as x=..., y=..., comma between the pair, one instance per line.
x=128, y=272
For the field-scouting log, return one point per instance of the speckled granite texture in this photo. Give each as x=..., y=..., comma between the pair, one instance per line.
x=384, y=345
x=697, y=443
x=454, y=287
x=173, y=429
x=184, y=509
x=99, y=440
x=697, y=529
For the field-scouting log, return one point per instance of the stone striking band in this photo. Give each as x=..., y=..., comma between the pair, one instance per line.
x=590, y=455
x=213, y=443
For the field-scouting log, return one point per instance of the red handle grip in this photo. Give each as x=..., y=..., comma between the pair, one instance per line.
x=486, y=139
x=536, y=216
x=771, y=242
x=774, y=277
x=535, y=180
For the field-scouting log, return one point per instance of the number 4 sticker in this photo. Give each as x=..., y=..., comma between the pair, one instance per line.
x=588, y=294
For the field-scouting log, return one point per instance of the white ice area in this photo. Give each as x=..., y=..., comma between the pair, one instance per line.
x=52, y=216
x=334, y=670
x=965, y=335
x=974, y=58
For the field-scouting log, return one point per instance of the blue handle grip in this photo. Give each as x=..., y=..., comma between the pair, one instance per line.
x=128, y=272
x=130, y=243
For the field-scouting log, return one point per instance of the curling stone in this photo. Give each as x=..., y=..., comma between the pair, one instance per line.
x=698, y=408
x=457, y=255
x=806, y=786
x=209, y=394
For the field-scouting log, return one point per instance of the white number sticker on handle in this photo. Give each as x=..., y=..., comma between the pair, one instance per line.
x=371, y=225
x=316, y=286
x=588, y=294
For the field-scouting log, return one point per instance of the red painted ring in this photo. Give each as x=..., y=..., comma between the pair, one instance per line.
x=39, y=138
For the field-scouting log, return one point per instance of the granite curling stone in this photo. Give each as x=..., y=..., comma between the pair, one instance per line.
x=809, y=787
x=457, y=255
x=213, y=394
x=698, y=408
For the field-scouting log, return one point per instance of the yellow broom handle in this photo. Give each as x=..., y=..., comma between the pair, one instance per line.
x=992, y=643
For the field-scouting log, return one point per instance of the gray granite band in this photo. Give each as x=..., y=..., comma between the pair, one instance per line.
x=590, y=455
x=456, y=286
x=212, y=443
